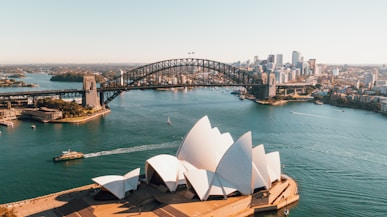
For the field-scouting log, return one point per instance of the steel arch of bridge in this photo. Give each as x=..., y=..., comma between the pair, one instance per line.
x=140, y=77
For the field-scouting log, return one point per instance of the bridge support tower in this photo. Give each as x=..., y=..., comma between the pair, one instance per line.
x=267, y=90
x=91, y=97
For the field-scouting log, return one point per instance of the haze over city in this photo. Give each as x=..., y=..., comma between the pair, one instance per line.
x=333, y=32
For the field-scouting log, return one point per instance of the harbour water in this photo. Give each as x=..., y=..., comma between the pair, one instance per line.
x=338, y=157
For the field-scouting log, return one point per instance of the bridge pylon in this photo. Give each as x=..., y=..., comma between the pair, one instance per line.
x=267, y=90
x=91, y=96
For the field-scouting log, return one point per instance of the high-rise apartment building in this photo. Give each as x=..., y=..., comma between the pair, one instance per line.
x=369, y=80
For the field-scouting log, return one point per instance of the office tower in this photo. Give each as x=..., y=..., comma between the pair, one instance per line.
x=271, y=58
x=280, y=60
x=256, y=60
x=296, y=58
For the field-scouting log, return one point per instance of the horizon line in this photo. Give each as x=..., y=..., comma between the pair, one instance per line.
x=144, y=63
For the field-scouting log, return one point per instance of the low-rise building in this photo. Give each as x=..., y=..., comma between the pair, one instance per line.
x=42, y=114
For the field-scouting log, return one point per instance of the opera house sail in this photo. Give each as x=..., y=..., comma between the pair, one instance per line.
x=210, y=164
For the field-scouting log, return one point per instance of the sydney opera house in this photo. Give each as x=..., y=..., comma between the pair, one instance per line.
x=210, y=175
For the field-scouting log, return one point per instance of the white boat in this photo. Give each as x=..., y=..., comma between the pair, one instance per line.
x=68, y=155
x=169, y=121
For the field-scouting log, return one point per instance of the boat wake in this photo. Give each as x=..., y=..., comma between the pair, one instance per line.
x=133, y=149
x=306, y=114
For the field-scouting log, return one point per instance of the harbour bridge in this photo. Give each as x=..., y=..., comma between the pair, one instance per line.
x=184, y=72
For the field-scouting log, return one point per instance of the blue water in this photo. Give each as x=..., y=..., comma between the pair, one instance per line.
x=339, y=159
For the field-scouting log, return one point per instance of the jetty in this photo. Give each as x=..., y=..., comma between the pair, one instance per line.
x=6, y=123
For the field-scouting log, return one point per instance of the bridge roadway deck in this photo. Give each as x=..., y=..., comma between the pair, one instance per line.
x=123, y=88
x=40, y=92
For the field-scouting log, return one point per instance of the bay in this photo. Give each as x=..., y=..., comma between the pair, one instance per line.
x=339, y=159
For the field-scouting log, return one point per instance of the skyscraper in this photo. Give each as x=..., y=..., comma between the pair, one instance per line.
x=296, y=58
x=256, y=60
x=271, y=58
x=280, y=60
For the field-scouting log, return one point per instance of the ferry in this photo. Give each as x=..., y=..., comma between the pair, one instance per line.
x=68, y=155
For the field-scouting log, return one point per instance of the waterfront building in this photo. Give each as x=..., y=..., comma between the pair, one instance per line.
x=383, y=104
x=381, y=90
x=208, y=163
x=121, y=77
x=174, y=80
x=42, y=114
x=183, y=79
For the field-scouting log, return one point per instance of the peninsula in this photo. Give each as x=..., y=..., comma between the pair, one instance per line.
x=210, y=170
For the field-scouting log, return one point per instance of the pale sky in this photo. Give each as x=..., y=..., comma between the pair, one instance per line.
x=145, y=31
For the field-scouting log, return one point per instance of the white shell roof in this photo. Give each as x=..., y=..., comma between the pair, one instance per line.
x=261, y=176
x=169, y=168
x=131, y=180
x=235, y=165
x=207, y=183
x=274, y=165
x=113, y=183
x=117, y=184
x=204, y=146
x=212, y=163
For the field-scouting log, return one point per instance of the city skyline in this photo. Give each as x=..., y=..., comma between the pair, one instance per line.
x=344, y=32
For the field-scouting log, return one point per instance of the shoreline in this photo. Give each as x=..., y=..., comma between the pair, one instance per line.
x=81, y=119
x=7, y=121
